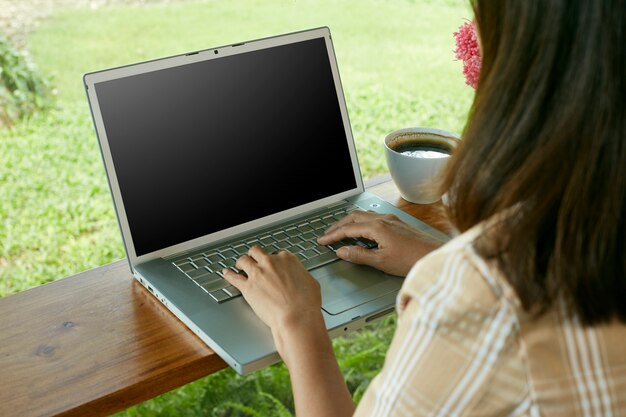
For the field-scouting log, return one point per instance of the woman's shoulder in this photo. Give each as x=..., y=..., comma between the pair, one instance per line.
x=470, y=301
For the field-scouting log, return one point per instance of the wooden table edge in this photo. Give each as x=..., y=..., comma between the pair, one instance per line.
x=199, y=360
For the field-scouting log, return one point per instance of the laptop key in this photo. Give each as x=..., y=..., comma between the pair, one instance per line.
x=317, y=224
x=294, y=249
x=241, y=249
x=341, y=243
x=328, y=220
x=309, y=253
x=305, y=228
x=205, y=279
x=271, y=248
x=280, y=236
x=186, y=267
x=306, y=245
x=214, y=257
x=322, y=249
x=219, y=296
x=294, y=240
x=227, y=263
x=320, y=260
x=215, y=267
x=266, y=240
x=196, y=273
x=292, y=231
x=228, y=253
x=201, y=262
x=232, y=291
x=283, y=244
x=216, y=284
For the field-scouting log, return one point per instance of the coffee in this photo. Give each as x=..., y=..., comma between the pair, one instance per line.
x=416, y=157
x=423, y=149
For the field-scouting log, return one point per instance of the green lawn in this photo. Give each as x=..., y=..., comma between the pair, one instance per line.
x=398, y=70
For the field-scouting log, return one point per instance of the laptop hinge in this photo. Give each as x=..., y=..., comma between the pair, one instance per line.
x=339, y=203
x=176, y=255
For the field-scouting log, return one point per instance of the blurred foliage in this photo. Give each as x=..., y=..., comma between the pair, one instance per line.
x=22, y=90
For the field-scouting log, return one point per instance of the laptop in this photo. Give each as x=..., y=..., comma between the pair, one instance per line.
x=211, y=152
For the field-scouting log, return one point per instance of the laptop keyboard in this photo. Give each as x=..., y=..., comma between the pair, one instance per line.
x=300, y=238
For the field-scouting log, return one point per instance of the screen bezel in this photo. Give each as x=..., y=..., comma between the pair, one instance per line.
x=214, y=53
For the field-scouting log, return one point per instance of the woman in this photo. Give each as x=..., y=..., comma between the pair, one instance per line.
x=524, y=312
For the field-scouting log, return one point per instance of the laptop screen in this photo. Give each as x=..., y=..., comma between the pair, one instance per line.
x=207, y=146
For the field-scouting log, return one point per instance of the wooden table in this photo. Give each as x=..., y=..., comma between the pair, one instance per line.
x=97, y=342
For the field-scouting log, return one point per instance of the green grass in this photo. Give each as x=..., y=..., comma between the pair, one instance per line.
x=397, y=68
x=57, y=216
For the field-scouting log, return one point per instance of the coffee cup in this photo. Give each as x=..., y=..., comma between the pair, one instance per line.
x=416, y=157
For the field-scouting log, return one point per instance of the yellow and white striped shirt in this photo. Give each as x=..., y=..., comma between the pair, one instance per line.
x=465, y=347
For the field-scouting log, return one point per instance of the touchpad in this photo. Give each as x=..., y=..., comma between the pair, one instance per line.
x=346, y=285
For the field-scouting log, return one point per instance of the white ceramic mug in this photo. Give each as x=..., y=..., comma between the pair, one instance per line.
x=416, y=157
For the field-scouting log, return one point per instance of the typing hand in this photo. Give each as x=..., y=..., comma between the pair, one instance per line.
x=399, y=245
x=280, y=291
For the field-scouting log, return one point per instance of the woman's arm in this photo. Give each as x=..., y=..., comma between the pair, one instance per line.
x=318, y=385
x=288, y=299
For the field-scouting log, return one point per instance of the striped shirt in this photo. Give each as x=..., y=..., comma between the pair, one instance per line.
x=465, y=347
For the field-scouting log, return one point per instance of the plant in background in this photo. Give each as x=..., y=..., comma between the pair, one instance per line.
x=22, y=90
x=468, y=50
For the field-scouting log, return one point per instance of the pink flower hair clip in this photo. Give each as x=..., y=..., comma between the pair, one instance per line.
x=468, y=51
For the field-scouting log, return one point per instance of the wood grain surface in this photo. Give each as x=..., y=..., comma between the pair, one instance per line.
x=98, y=342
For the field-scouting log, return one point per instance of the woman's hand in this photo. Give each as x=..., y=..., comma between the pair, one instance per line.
x=288, y=299
x=280, y=291
x=399, y=245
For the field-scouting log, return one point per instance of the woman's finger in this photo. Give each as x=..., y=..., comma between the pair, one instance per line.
x=357, y=216
x=364, y=230
x=359, y=255
x=246, y=264
x=257, y=254
x=237, y=280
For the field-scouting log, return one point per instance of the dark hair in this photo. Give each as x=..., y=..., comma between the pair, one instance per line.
x=545, y=148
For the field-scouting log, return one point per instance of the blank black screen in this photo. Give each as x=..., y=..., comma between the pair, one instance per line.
x=206, y=146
